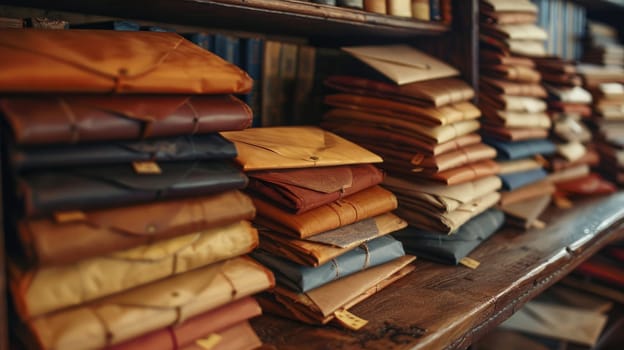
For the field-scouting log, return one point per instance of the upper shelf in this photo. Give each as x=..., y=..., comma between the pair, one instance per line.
x=448, y=307
x=283, y=17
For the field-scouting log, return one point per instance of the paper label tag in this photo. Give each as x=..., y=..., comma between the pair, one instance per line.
x=69, y=216
x=209, y=342
x=146, y=168
x=349, y=320
x=469, y=262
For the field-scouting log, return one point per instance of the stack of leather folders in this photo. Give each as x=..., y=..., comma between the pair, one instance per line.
x=129, y=223
x=601, y=45
x=323, y=219
x=515, y=119
x=569, y=107
x=426, y=130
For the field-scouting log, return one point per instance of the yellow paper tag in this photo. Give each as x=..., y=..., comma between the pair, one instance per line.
x=208, y=342
x=349, y=320
x=469, y=262
x=147, y=167
x=69, y=216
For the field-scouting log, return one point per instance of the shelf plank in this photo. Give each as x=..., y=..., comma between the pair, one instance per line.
x=455, y=305
x=283, y=17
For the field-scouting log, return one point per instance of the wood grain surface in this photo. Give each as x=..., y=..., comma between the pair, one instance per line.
x=448, y=307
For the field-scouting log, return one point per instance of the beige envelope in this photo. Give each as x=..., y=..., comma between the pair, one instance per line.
x=295, y=147
x=442, y=197
x=521, y=120
x=447, y=223
x=126, y=315
x=514, y=166
x=47, y=289
x=402, y=64
x=315, y=253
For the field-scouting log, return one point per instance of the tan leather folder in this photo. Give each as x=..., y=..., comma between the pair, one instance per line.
x=515, y=73
x=527, y=192
x=103, y=61
x=295, y=147
x=496, y=86
x=513, y=103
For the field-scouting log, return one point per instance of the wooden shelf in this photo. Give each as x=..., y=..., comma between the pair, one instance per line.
x=283, y=17
x=455, y=305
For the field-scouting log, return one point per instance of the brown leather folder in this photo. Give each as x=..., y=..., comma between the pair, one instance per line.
x=319, y=305
x=321, y=248
x=427, y=116
x=300, y=190
x=590, y=185
x=240, y=336
x=356, y=207
x=100, y=61
x=37, y=291
x=201, y=326
x=438, y=134
x=512, y=103
x=514, y=73
x=462, y=174
x=365, y=135
x=515, y=134
x=66, y=238
x=295, y=147
x=463, y=156
x=433, y=93
x=82, y=118
x=488, y=56
x=591, y=158
x=581, y=109
x=528, y=192
x=120, y=317
x=496, y=86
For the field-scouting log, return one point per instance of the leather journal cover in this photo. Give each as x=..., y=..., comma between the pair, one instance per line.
x=80, y=118
x=322, y=248
x=439, y=198
x=37, y=291
x=446, y=223
x=185, y=334
x=305, y=278
x=432, y=93
x=300, y=190
x=107, y=186
x=359, y=206
x=514, y=181
x=182, y=148
x=319, y=305
x=450, y=249
x=132, y=62
x=425, y=115
x=120, y=317
x=295, y=147
x=522, y=149
x=497, y=86
x=51, y=240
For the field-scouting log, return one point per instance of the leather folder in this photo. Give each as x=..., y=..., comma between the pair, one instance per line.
x=37, y=291
x=446, y=223
x=438, y=198
x=516, y=180
x=581, y=109
x=402, y=64
x=80, y=118
x=425, y=115
x=305, y=278
x=99, y=61
x=522, y=47
x=300, y=190
x=371, y=135
x=590, y=185
x=527, y=192
x=569, y=128
x=431, y=93
x=200, y=326
x=321, y=248
x=591, y=158
x=466, y=173
x=514, y=73
x=507, y=17
x=295, y=147
x=494, y=57
x=514, y=166
x=240, y=336
x=52, y=240
x=508, y=6
x=359, y=206
x=497, y=86
x=182, y=148
x=517, y=119
x=513, y=103
x=571, y=151
x=319, y=305
x=526, y=213
x=120, y=317
x=524, y=31
x=522, y=149
x=450, y=249
x=113, y=185
x=438, y=134
x=506, y=134
x=569, y=173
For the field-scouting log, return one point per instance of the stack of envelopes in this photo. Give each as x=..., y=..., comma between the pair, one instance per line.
x=511, y=97
x=569, y=106
x=426, y=131
x=324, y=220
x=126, y=202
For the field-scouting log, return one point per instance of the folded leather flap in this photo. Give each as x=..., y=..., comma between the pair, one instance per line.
x=324, y=180
x=303, y=143
x=464, y=192
x=171, y=147
x=143, y=108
